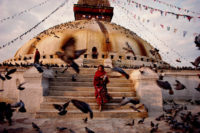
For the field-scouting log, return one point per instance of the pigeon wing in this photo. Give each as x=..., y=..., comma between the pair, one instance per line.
x=66, y=105
x=80, y=105
x=35, y=126
x=11, y=71
x=78, y=53
x=2, y=78
x=117, y=69
x=75, y=66
x=58, y=107
x=197, y=61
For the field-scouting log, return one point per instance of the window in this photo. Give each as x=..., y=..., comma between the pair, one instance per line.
x=120, y=57
x=51, y=56
x=94, y=53
x=142, y=59
x=85, y=55
x=111, y=56
x=135, y=58
x=128, y=57
x=103, y=56
x=44, y=57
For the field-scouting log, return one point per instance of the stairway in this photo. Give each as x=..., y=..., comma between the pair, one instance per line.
x=62, y=89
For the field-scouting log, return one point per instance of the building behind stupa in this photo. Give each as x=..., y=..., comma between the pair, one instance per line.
x=94, y=31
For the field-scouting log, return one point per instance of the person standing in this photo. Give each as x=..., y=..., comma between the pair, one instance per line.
x=100, y=82
x=37, y=56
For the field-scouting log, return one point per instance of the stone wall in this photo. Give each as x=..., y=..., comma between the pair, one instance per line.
x=36, y=87
x=189, y=79
x=9, y=87
x=151, y=94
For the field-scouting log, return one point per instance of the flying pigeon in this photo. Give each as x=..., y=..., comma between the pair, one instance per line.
x=69, y=53
x=61, y=108
x=84, y=107
x=117, y=69
x=179, y=85
x=38, y=67
x=131, y=124
x=129, y=49
x=20, y=86
x=196, y=62
x=165, y=85
x=126, y=100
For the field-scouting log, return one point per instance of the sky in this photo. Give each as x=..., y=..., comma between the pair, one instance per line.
x=172, y=45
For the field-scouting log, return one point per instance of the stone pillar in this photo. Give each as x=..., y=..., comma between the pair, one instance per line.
x=147, y=89
x=32, y=96
x=108, y=63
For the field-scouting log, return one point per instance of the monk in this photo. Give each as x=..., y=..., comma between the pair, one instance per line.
x=100, y=82
x=37, y=56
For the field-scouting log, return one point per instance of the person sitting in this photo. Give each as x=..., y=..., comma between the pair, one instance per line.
x=100, y=82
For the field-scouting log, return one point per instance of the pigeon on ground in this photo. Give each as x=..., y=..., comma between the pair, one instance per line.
x=117, y=69
x=61, y=108
x=36, y=127
x=141, y=121
x=159, y=118
x=179, y=85
x=131, y=124
x=154, y=127
x=84, y=107
x=20, y=105
x=61, y=128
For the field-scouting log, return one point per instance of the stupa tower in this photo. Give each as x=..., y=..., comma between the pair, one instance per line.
x=98, y=9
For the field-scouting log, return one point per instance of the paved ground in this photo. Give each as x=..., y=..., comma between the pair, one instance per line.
x=22, y=124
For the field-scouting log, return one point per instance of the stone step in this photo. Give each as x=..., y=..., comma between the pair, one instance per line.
x=89, y=93
x=86, y=76
x=74, y=88
x=88, y=84
x=70, y=75
x=85, y=70
x=97, y=114
x=78, y=79
x=93, y=106
x=86, y=99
